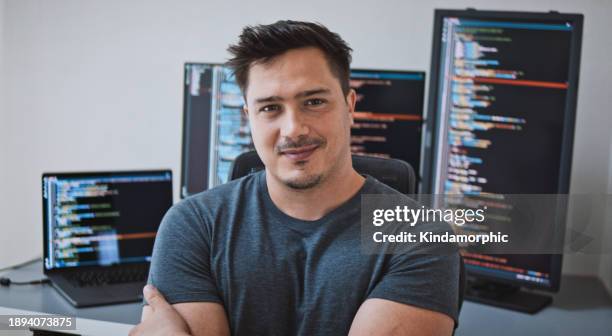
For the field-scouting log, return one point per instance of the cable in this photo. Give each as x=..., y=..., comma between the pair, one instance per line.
x=16, y=266
x=5, y=282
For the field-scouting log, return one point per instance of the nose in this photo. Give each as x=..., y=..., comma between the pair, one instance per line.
x=293, y=124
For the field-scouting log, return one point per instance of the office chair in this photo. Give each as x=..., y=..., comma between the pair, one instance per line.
x=395, y=173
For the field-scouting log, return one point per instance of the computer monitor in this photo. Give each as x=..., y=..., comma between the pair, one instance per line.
x=502, y=104
x=215, y=130
x=388, y=118
x=102, y=218
x=388, y=122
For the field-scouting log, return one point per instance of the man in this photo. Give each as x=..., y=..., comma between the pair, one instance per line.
x=278, y=252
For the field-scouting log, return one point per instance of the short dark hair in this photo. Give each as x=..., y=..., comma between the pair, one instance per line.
x=262, y=43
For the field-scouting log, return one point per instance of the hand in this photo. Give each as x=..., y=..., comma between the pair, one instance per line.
x=163, y=319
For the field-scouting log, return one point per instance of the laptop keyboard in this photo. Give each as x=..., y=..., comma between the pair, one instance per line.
x=110, y=276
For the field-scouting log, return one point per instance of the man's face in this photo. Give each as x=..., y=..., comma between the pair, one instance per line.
x=300, y=119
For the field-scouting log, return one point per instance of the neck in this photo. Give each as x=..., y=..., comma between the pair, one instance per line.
x=314, y=203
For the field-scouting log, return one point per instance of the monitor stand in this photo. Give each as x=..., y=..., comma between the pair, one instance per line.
x=506, y=296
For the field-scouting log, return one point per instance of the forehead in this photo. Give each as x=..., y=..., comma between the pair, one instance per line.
x=290, y=73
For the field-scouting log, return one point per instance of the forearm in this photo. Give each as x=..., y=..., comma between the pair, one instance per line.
x=383, y=317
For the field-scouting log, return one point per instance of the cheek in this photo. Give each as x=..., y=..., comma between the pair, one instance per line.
x=263, y=138
x=340, y=133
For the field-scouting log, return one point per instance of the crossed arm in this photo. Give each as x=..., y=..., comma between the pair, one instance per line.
x=374, y=317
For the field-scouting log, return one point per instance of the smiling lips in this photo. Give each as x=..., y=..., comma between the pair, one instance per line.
x=299, y=154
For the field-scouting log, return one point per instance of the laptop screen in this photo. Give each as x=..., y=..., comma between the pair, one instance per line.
x=100, y=219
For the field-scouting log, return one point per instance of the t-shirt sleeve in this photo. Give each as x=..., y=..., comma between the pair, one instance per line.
x=180, y=265
x=426, y=277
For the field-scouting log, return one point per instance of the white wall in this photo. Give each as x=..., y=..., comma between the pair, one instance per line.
x=97, y=84
x=3, y=137
x=605, y=266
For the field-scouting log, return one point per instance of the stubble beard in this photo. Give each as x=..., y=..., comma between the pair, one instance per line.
x=305, y=183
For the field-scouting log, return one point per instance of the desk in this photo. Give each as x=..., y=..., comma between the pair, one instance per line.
x=105, y=320
x=583, y=307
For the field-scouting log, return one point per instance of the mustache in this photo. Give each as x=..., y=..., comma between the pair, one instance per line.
x=300, y=142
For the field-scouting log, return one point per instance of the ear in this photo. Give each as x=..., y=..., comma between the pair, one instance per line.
x=351, y=100
x=245, y=110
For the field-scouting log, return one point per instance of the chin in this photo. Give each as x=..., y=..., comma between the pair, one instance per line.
x=303, y=182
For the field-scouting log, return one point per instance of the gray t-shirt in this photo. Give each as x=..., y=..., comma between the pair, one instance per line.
x=278, y=275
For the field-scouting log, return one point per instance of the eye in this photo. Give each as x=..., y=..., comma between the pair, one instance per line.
x=315, y=102
x=269, y=108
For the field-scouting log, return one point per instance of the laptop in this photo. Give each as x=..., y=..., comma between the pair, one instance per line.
x=99, y=229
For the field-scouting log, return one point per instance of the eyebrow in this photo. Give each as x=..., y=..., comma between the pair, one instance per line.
x=302, y=94
x=313, y=92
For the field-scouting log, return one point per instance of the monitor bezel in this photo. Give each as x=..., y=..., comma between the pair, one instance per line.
x=432, y=122
x=88, y=174
x=390, y=71
x=183, y=190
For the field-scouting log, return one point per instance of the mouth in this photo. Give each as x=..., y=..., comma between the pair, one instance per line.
x=300, y=153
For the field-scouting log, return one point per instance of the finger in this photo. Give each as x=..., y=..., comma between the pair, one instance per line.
x=154, y=298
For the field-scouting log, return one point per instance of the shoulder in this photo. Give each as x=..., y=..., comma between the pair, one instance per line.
x=381, y=197
x=211, y=204
x=225, y=194
x=376, y=187
x=196, y=215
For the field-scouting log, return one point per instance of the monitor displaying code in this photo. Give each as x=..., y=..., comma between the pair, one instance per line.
x=106, y=219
